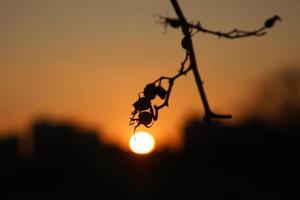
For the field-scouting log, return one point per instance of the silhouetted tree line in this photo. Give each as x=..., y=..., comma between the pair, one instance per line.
x=251, y=160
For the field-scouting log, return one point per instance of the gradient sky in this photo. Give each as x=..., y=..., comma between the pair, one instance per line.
x=86, y=60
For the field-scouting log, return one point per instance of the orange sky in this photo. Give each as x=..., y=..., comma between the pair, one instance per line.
x=88, y=60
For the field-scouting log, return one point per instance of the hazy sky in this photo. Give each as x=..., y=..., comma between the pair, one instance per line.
x=86, y=60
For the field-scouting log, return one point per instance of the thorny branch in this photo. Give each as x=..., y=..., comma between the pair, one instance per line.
x=146, y=113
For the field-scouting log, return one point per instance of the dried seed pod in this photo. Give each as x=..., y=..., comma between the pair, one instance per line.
x=145, y=118
x=161, y=92
x=150, y=91
x=142, y=104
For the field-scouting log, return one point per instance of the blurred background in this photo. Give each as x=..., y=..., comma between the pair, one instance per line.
x=70, y=71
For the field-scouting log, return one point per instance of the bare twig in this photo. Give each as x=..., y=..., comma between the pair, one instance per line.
x=171, y=80
x=233, y=34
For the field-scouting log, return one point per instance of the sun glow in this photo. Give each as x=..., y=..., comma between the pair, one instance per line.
x=141, y=143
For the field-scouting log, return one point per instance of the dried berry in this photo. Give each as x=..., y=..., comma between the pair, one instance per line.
x=150, y=91
x=142, y=104
x=145, y=118
x=161, y=92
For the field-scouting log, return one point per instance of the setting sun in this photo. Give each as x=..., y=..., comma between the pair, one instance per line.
x=141, y=143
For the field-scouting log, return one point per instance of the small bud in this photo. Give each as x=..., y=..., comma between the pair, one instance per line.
x=185, y=43
x=269, y=23
x=174, y=23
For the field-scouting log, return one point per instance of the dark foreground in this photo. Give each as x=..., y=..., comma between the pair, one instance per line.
x=249, y=161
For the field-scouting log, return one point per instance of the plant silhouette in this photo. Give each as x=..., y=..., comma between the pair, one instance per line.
x=144, y=112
